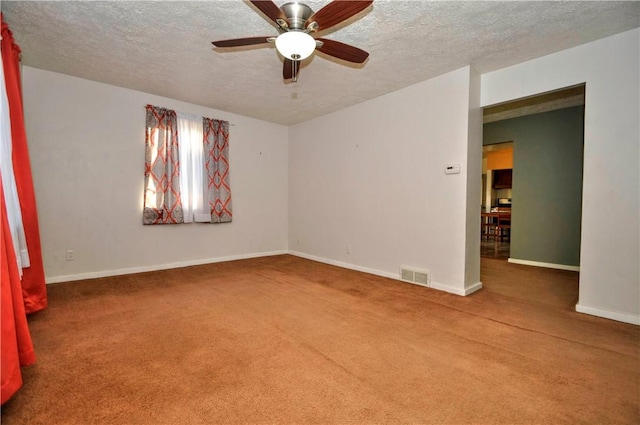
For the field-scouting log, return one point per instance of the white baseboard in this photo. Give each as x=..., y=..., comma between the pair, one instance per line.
x=131, y=270
x=453, y=290
x=117, y=272
x=620, y=317
x=433, y=285
x=473, y=288
x=547, y=265
x=345, y=265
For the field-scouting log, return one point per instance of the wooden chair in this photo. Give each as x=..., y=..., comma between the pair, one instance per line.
x=489, y=225
x=503, y=227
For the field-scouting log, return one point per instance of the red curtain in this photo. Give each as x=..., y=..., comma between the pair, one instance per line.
x=28, y=295
x=17, y=348
x=33, y=283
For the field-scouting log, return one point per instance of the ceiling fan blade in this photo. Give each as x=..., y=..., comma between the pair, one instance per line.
x=336, y=12
x=270, y=9
x=247, y=41
x=342, y=51
x=290, y=69
x=287, y=69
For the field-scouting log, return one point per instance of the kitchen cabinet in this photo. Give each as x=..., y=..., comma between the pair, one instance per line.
x=502, y=179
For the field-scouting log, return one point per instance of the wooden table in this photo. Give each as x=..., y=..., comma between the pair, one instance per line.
x=492, y=223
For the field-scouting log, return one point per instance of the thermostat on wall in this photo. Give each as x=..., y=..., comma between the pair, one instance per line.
x=452, y=169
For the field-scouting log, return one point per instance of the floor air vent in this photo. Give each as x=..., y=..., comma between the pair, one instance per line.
x=413, y=275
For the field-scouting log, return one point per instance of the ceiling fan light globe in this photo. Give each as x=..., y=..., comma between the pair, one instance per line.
x=295, y=45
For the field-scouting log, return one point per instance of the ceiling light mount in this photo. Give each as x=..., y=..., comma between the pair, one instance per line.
x=297, y=14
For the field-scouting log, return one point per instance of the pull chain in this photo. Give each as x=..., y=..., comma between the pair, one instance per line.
x=295, y=60
x=294, y=70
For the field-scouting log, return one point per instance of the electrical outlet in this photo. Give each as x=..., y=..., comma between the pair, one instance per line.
x=348, y=249
x=71, y=255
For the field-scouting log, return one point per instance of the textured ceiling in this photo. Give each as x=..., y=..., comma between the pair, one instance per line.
x=164, y=48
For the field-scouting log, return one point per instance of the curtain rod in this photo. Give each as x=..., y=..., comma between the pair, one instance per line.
x=186, y=114
x=196, y=116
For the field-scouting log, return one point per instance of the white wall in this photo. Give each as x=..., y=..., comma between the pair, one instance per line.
x=610, y=248
x=371, y=177
x=86, y=142
x=474, y=182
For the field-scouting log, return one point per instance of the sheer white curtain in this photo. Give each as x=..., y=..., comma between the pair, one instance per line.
x=14, y=214
x=192, y=178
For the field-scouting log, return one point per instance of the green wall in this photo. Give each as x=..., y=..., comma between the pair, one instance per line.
x=547, y=183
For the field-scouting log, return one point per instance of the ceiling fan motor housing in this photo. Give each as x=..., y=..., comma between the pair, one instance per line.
x=297, y=14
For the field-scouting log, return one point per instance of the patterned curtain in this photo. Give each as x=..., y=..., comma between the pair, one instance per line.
x=162, y=204
x=216, y=163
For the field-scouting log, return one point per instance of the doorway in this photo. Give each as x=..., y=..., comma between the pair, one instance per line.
x=546, y=135
x=497, y=177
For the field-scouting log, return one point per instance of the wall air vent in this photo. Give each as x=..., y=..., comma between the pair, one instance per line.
x=416, y=276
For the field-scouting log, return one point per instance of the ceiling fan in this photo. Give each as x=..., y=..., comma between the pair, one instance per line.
x=296, y=22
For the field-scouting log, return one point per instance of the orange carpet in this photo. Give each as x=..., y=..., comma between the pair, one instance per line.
x=283, y=340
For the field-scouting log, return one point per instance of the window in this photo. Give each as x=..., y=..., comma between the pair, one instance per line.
x=186, y=169
x=192, y=175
